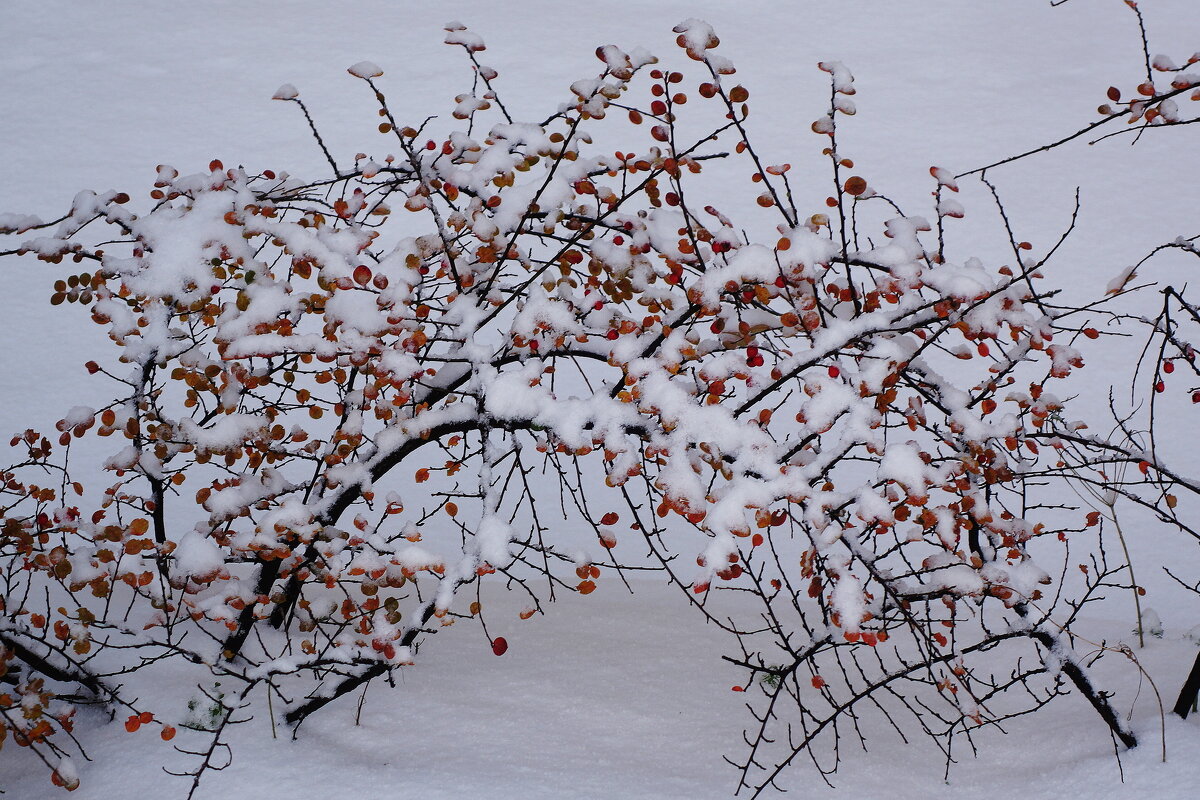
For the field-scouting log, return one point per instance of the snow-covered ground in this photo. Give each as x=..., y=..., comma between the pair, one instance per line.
x=619, y=696
x=611, y=695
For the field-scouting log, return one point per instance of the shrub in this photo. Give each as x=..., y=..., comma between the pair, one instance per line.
x=341, y=403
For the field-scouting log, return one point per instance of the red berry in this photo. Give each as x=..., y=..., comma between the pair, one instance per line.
x=499, y=645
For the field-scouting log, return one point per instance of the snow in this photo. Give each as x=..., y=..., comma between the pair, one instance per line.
x=18, y=223
x=581, y=706
x=197, y=555
x=457, y=33
x=365, y=69
x=286, y=92
x=607, y=695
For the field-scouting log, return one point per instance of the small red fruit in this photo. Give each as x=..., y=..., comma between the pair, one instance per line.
x=499, y=645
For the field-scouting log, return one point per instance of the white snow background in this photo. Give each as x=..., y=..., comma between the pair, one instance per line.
x=610, y=696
